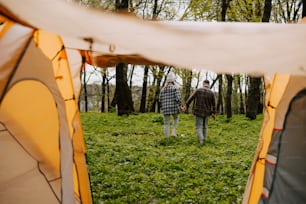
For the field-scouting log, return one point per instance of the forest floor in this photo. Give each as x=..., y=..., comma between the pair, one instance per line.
x=130, y=161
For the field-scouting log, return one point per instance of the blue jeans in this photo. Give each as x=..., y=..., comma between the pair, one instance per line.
x=167, y=124
x=201, y=127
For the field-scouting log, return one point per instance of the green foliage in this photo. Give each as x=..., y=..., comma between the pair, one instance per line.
x=158, y=119
x=199, y=10
x=131, y=162
x=245, y=11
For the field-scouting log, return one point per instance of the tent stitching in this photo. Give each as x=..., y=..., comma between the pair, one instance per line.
x=49, y=182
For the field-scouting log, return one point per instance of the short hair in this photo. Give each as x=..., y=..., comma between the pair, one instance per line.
x=206, y=81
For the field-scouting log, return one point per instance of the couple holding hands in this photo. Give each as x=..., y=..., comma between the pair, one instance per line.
x=204, y=106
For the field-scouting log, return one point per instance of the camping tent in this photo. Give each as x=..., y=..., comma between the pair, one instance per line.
x=42, y=145
x=278, y=170
x=42, y=52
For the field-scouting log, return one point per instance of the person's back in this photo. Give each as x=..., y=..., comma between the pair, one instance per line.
x=170, y=100
x=204, y=106
x=204, y=102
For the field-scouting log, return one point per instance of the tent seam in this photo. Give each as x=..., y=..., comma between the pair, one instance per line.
x=12, y=135
x=15, y=68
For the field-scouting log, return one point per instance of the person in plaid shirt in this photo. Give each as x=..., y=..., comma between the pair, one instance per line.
x=170, y=101
x=205, y=105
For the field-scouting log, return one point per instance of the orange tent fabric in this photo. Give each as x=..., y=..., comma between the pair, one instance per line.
x=40, y=123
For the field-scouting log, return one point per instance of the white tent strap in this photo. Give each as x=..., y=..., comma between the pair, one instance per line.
x=271, y=159
x=265, y=193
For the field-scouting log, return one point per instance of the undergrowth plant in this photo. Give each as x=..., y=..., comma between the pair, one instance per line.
x=130, y=161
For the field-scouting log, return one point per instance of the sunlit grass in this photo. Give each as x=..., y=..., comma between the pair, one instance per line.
x=131, y=162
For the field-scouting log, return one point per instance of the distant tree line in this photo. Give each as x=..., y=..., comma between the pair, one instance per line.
x=100, y=96
x=237, y=93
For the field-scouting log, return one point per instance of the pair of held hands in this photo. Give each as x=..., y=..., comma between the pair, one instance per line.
x=184, y=109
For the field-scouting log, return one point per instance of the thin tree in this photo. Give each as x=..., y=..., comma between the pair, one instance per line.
x=131, y=76
x=241, y=103
x=163, y=84
x=287, y=11
x=186, y=75
x=187, y=79
x=157, y=88
x=197, y=77
x=229, y=113
x=143, y=101
x=153, y=70
x=83, y=70
x=220, y=108
x=103, y=87
x=304, y=9
x=108, y=94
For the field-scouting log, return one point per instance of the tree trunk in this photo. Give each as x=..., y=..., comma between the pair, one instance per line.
x=220, y=99
x=254, y=90
x=246, y=91
x=103, y=86
x=155, y=12
x=151, y=89
x=241, y=104
x=123, y=95
x=253, y=97
x=225, y=4
x=304, y=9
x=166, y=76
x=214, y=81
x=163, y=84
x=108, y=96
x=157, y=88
x=229, y=96
x=85, y=87
x=224, y=7
x=131, y=76
x=187, y=85
x=144, y=90
x=267, y=11
x=261, y=96
x=122, y=5
x=198, y=79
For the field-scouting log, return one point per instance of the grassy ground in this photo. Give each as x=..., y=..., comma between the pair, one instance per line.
x=131, y=162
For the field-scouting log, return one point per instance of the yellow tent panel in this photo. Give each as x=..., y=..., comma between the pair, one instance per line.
x=43, y=122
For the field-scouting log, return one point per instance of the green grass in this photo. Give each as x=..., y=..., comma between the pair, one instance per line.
x=131, y=162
